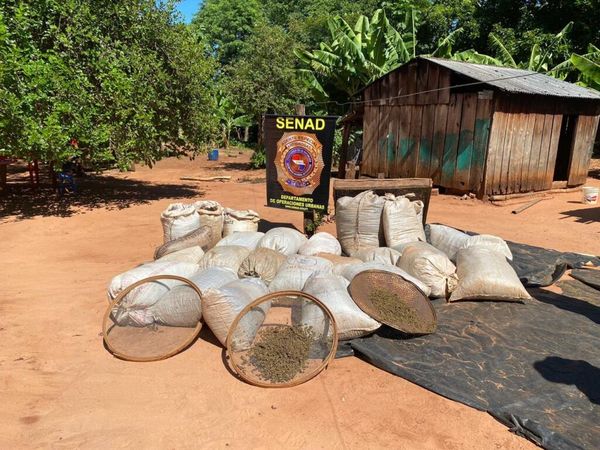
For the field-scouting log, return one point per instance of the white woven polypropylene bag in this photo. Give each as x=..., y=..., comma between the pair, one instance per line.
x=285, y=240
x=178, y=220
x=332, y=290
x=402, y=222
x=262, y=263
x=431, y=266
x=321, y=242
x=383, y=255
x=358, y=221
x=190, y=255
x=248, y=239
x=212, y=214
x=221, y=306
x=488, y=241
x=447, y=239
x=485, y=274
x=242, y=220
x=230, y=256
x=294, y=272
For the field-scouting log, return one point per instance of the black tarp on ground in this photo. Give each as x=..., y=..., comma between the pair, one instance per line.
x=535, y=365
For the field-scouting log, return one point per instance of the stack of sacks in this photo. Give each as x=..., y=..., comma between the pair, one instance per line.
x=483, y=270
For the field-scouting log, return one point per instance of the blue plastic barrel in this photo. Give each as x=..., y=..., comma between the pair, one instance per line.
x=213, y=155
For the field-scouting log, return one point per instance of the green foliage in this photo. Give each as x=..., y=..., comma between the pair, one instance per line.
x=227, y=25
x=258, y=159
x=358, y=55
x=264, y=79
x=229, y=116
x=120, y=77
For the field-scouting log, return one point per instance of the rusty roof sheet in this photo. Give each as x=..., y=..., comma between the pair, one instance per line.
x=517, y=81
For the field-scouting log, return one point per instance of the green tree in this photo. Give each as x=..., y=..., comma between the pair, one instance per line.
x=226, y=25
x=123, y=78
x=264, y=79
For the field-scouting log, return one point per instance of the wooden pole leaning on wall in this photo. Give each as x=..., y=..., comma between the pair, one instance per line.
x=309, y=216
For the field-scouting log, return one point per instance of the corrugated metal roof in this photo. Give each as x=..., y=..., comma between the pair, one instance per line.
x=517, y=80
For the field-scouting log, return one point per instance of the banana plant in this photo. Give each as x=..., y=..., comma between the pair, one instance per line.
x=539, y=60
x=358, y=55
x=229, y=117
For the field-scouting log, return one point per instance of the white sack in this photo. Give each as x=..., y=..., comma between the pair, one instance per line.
x=133, y=308
x=351, y=270
x=236, y=221
x=178, y=220
x=181, y=306
x=285, y=240
x=447, y=239
x=382, y=255
x=262, y=263
x=431, y=266
x=202, y=237
x=488, y=241
x=485, y=274
x=321, y=242
x=148, y=293
x=211, y=214
x=248, y=239
x=402, y=222
x=339, y=262
x=189, y=255
x=358, y=221
x=332, y=290
x=230, y=256
x=294, y=272
x=221, y=306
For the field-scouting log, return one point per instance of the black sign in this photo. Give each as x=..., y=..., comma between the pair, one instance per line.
x=299, y=150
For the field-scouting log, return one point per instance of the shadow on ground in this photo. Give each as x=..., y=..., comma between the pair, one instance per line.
x=580, y=374
x=584, y=215
x=93, y=191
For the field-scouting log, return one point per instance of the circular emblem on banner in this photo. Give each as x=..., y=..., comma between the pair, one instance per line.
x=299, y=163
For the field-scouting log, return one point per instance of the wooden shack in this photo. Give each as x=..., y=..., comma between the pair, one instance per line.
x=484, y=129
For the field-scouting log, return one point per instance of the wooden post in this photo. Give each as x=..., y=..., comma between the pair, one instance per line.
x=344, y=151
x=3, y=173
x=309, y=216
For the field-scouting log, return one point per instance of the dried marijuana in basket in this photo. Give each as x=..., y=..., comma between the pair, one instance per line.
x=281, y=352
x=393, y=308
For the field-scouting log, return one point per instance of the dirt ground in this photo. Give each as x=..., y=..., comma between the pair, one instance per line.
x=59, y=387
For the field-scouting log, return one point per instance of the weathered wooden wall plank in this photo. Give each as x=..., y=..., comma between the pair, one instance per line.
x=415, y=136
x=444, y=86
x=534, y=176
x=495, y=149
x=370, y=130
x=411, y=83
x=464, y=151
x=524, y=182
x=481, y=138
x=451, y=140
x=404, y=141
x=433, y=77
x=437, y=146
x=585, y=133
x=425, y=141
x=545, y=152
x=422, y=83
x=552, y=150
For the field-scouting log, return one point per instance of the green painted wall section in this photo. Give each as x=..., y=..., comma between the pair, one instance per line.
x=462, y=152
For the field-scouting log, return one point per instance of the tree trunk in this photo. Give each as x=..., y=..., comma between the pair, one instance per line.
x=246, y=134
